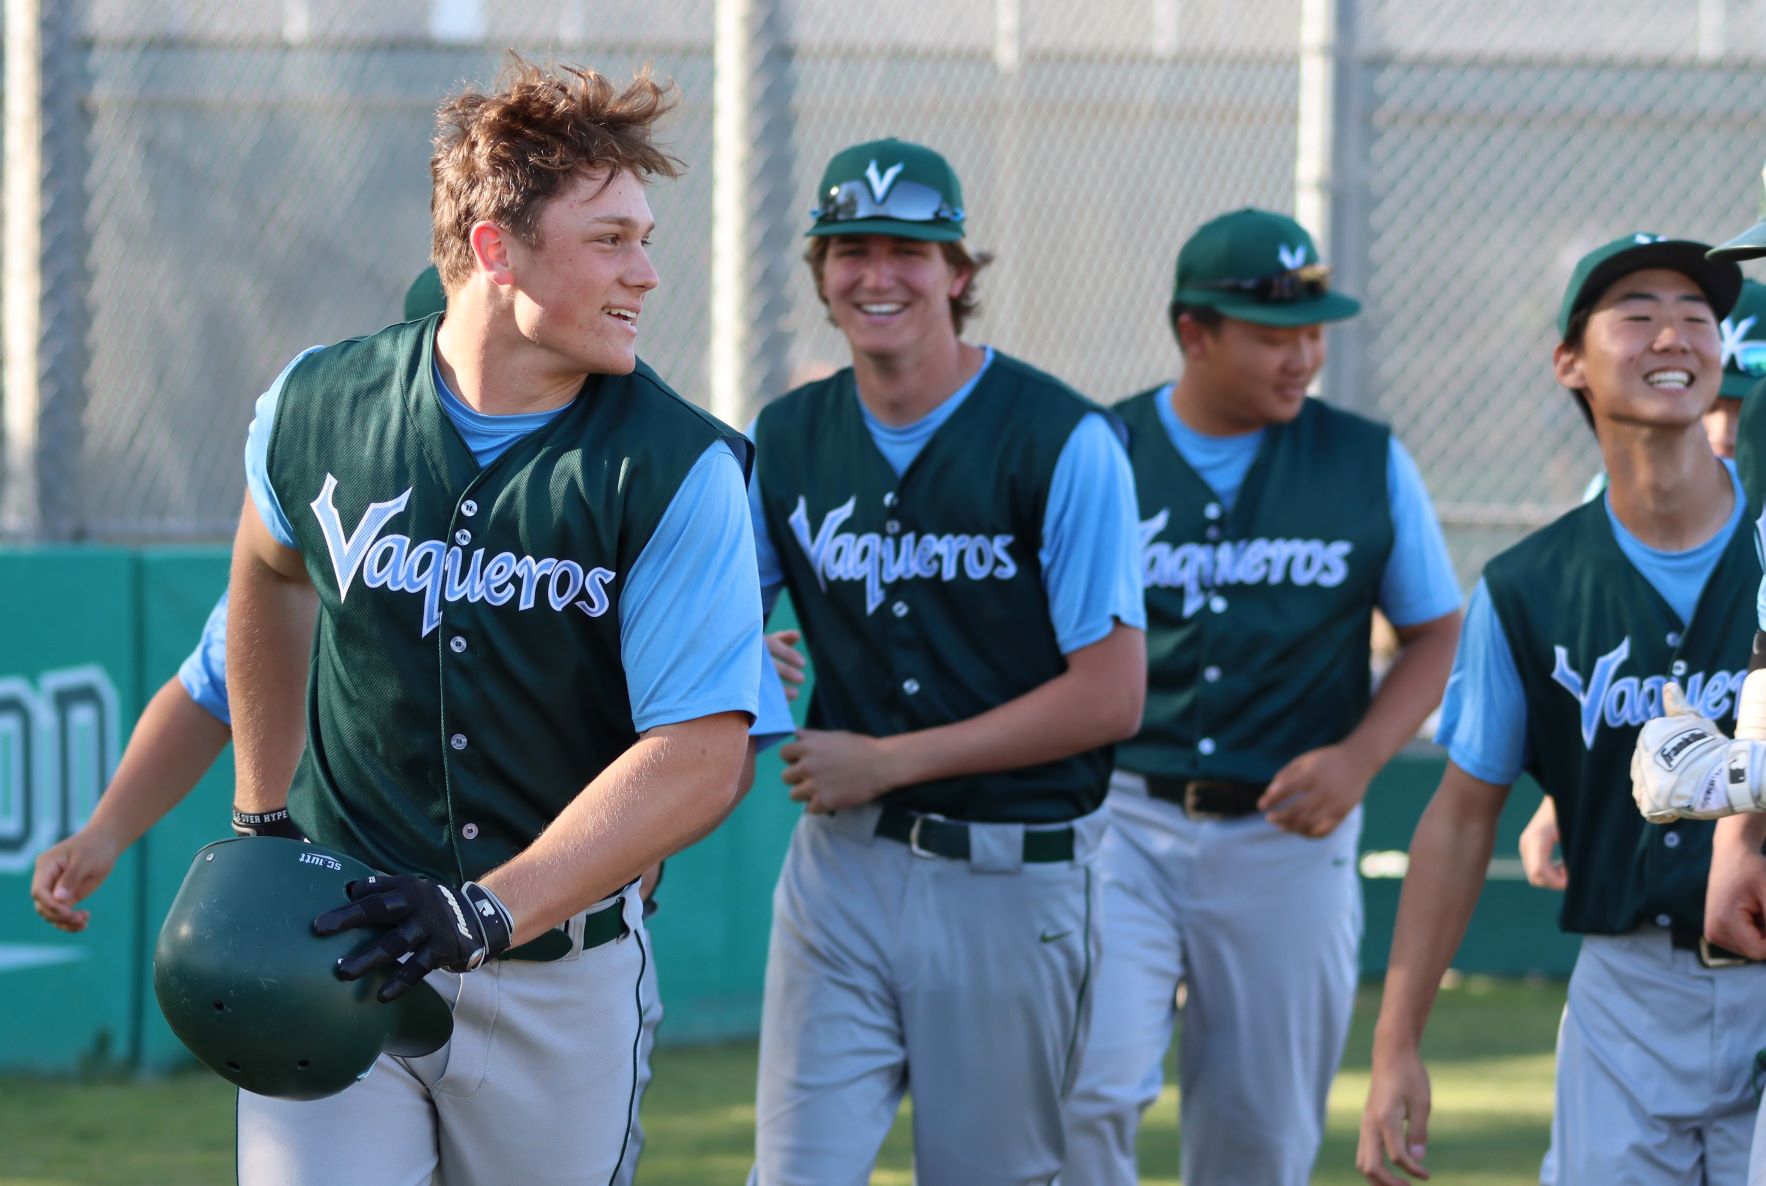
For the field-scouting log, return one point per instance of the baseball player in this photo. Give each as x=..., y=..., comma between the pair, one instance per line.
x=1744, y=364
x=1272, y=527
x=1569, y=640
x=537, y=647
x=956, y=531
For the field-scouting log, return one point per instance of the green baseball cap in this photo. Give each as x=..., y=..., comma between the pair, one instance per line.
x=889, y=187
x=1258, y=266
x=425, y=296
x=1720, y=280
x=1751, y=243
x=1744, y=342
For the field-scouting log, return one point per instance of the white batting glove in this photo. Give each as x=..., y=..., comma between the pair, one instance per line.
x=1685, y=767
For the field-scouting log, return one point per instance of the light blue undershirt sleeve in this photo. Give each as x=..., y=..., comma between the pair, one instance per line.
x=1760, y=551
x=1418, y=584
x=1221, y=462
x=204, y=673
x=1483, y=722
x=690, y=609
x=1090, y=549
x=773, y=722
x=766, y=557
x=1679, y=576
x=257, y=458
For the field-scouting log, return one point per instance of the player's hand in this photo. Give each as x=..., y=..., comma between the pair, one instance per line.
x=1395, y=1123
x=1311, y=795
x=1735, y=895
x=435, y=925
x=1684, y=767
x=787, y=659
x=1538, y=839
x=66, y=873
x=829, y=770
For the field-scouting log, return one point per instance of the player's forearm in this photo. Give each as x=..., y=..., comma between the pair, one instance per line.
x=1410, y=691
x=1449, y=858
x=270, y=615
x=663, y=793
x=172, y=747
x=1097, y=701
x=1746, y=832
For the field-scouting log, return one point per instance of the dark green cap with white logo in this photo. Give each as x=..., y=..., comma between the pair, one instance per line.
x=1744, y=342
x=889, y=187
x=1751, y=243
x=1720, y=280
x=1258, y=266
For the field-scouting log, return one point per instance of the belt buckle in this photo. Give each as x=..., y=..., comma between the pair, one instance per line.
x=914, y=841
x=1709, y=956
x=1189, y=804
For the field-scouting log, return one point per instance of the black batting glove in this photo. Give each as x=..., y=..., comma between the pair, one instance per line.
x=266, y=823
x=430, y=926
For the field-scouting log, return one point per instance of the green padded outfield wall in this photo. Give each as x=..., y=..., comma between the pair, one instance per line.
x=91, y=633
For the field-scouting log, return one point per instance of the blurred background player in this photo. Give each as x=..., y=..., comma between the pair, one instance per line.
x=1273, y=526
x=1569, y=639
x=956, y=531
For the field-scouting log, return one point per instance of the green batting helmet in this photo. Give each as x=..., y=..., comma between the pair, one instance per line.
x=253, y=992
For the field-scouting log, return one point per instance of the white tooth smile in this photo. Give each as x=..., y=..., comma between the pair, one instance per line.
x=1669, y=379
x=625, y=315
x=880, y=310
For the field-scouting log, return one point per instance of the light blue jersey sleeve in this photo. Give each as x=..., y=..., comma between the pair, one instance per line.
x=773, y=723
x=689, y=629
x=1760, y=550
x=257, y=458
x=1484, y=712
x=1418, y=584
x=204, y=673
x=1090, y=549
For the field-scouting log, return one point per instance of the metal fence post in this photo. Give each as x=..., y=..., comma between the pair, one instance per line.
x=1330, y=174
x=755, y=209
x=43, y=262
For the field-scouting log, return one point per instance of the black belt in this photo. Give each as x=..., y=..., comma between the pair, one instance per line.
x=930, y=836
x=603, y=926
x=1208, y=798
x=1710, y=955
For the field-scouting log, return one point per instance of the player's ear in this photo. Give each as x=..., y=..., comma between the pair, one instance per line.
x=1566, y=363
x=490, y=250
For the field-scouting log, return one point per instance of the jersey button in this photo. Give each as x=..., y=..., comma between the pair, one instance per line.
x=1211, y=533
x=458, y=741
x=456, y=644
x=1217, y=603
x=1211, y=674
x=899, y=609
x=1678, y=669
x=469, y=508
x=1671, y=840
x=469, y=831
x=910, y=685
x=1662, y=920
x=1205, y=746
x=462, y=537
x=1673, y=638
x=1211, y=511
x=889, y=499
x=893, y=527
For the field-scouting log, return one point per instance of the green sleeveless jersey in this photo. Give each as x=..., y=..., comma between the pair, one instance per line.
x=1594, y=643
x=466, y=679
x=921, y=596
x=1259, y=615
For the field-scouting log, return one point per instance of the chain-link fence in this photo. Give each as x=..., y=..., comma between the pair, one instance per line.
x=220, y=183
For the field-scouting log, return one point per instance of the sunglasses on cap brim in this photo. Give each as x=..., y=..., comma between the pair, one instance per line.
x=906, y=201
x=1292, y=284
x=1750, y=359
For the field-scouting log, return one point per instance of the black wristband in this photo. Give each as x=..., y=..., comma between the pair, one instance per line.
x=266, y=823
x=1758, y=659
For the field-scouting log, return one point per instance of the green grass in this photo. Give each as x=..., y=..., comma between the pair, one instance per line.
x=1489, y=1052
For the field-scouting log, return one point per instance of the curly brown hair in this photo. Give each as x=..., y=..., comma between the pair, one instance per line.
x=499, y=157
x=962, y=307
